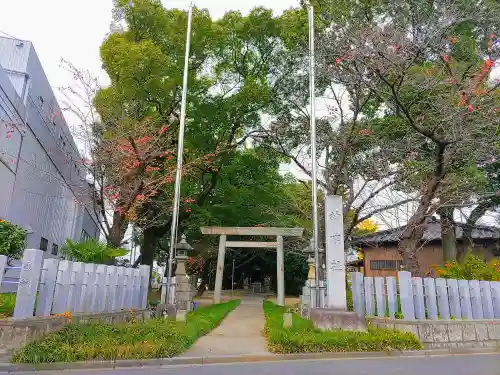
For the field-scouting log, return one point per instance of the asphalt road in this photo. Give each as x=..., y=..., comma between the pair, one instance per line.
x=453, y=365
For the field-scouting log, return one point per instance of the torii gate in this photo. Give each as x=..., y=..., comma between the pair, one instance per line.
x=251, y=231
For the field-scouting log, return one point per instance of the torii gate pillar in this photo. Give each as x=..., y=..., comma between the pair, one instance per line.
x=279, y=233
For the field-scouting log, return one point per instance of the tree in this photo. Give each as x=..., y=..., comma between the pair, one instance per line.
x=354, y=162
x=127, y=162
x=428, y=63
x=235, y=68
x=251, y=193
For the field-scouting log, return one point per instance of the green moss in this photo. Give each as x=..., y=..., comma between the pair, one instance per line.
x=155, y=338
x=303, y=337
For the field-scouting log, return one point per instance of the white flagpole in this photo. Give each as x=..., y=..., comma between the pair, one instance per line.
x=180, y=150
x=315, y=240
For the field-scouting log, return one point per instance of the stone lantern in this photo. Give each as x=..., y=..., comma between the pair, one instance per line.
x=182, y=249
x=309, y=250
x=183, y=295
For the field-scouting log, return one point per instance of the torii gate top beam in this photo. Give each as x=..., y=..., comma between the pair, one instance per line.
x=253, y=231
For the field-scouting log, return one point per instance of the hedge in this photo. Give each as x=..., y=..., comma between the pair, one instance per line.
x=155, y=338
x=303, y=337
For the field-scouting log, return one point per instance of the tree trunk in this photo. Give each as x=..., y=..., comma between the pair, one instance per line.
x=148, y=246
x=448, y=235
x=415, y=228
x=475, y=215
x=117, y=231
x=412, y=235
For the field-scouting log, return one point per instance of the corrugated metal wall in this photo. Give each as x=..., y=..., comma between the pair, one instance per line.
x=49, y=193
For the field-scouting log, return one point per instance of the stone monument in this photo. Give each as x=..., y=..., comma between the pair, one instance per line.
x=335, y=315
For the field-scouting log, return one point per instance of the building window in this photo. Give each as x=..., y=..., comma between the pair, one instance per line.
x=44, y=244
x=55, y=249
x=386, y=265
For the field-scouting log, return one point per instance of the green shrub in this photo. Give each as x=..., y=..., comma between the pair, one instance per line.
x=92, y=251
x=303, y=337
x=155, y=338
x=472, y=268
x=12, y=240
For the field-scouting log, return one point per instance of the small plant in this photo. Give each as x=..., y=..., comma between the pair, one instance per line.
x=398, y=315
x=92, y=251
x=7, y=304
x=12, y=240
x=472, y=268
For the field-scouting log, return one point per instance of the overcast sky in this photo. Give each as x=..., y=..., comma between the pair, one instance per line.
x=74, y=30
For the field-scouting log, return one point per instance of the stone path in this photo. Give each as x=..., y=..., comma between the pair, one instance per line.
x=239, y=333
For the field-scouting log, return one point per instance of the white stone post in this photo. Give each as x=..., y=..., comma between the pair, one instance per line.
x=335, y=257
x=430, y=298
x=3, y=265
x=88, y=290
x=61, y=294
x=443, y=300
x=47, y=287
x=475, y=296
x=406, y=295
x=129, y=289
x=120, y=275
x=495, y=298
x=76, y=287
x=143, y=299
x=358, y=293
x=418, y=297
x=392, y=296
x=220, y=269
x=28, y=283
x=380, y=296
x=137, y=288
x=454, y=298
x=486, y=299
x=465, y=302
x=280, y=269
x=369, y=297
x=100, y=288
x=123, y=287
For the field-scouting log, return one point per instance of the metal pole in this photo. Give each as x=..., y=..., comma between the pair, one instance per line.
x=315, y=241
x=180, y=150
x=232, y=280
x=132, y=260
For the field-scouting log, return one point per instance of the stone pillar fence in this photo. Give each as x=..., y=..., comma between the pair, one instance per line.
x=51, y=286
x=415, y=298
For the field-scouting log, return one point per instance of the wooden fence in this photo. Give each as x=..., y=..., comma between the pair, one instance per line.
x=52, y=286
x=410, y=298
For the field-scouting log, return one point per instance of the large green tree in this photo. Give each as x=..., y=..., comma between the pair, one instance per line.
x=236, y=67
x=428, y=63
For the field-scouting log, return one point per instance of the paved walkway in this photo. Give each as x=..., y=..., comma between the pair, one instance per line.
x=239, y=333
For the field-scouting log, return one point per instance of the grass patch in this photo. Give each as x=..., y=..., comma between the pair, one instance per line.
x=303, y=337
x=155, y=338
x=7, y=304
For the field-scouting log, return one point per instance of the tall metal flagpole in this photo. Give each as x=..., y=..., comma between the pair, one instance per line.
x=315, y=241
x=180, y=150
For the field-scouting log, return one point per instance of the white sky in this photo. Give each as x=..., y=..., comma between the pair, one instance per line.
x=74, y=30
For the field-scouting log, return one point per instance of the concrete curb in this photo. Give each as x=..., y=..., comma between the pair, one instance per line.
x=235, y=359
